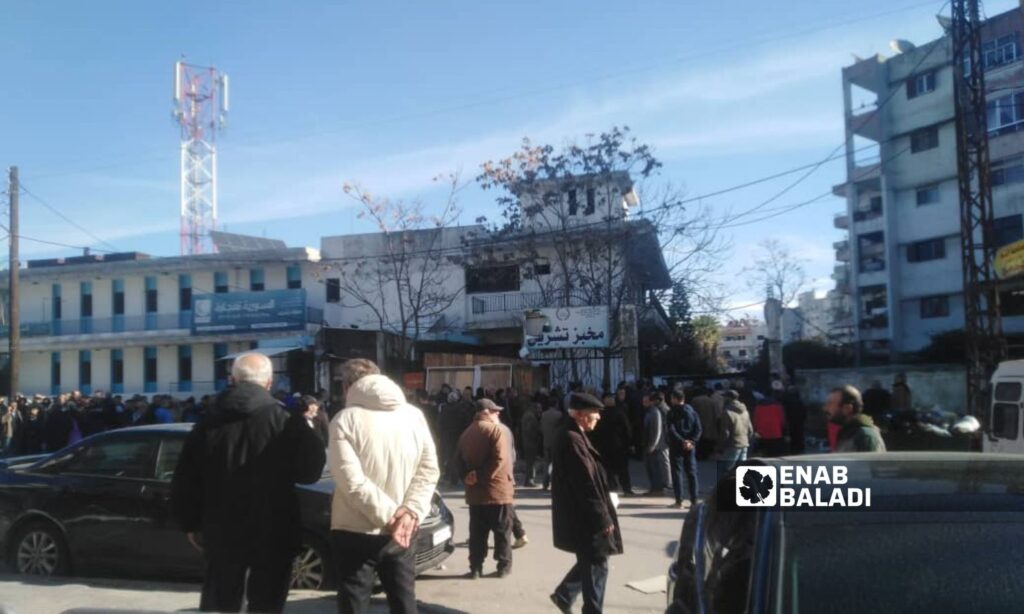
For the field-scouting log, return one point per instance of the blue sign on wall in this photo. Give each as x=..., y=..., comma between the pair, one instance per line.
x=240, y=312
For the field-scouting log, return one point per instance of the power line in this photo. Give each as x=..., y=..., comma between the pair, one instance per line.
x=57, y=212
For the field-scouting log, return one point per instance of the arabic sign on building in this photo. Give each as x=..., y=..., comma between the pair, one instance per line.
x=1010, y=260
x=239, y=312
x=571, y=327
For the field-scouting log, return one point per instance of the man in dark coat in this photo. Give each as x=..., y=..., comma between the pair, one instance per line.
x=612, y=437
x=684, y=432
x=233, y=491
x=583, y=515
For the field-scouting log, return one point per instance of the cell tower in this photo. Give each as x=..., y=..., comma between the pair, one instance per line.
x=200, y=107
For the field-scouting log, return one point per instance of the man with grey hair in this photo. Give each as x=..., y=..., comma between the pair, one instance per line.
x=233, y=491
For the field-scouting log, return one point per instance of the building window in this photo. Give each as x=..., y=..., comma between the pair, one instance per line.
x=1005, y=114
x=502, y=278
x=922, y=251
x=117, y=298
x=1007, y=170
x=871, y=252
x=55, y=373
x=924, y=139
x=727, y=353
x=591, y=202
x=874, y=307
x=873, y=210
x=151, y=295
x=149, y=371
x=542, y=268
x=220, y=282
x=86, y=299
x=928, y=195
x=1006, y=230
x=184, y=368
x=743, y=353
x=184, y=292
x=256, y=280
x=85, y=371
x=117, y=371
x=220, y=366
x=999, y=52
x=333, y=290
x=921, y=84
x=574, y=206
x=934, y=307
x=294, y=277
x=57, y=307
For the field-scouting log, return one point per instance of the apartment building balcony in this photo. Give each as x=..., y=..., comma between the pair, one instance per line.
x=841, y=221
x=841, y=274
x=505, y=309
x=842, y=250
x=864, y=121
x=122, y=329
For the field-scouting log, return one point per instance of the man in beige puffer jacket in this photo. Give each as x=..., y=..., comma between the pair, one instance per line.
x=384, y=464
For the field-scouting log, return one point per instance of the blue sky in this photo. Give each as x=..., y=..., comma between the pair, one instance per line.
x=392, y=94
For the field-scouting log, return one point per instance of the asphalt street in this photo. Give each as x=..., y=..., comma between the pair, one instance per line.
x=650, y=530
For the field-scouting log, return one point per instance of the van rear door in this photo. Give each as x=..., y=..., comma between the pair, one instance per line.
x=1004, y=430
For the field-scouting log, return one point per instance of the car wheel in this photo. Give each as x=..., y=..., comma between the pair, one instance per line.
x=39, y=550
x=311, y=568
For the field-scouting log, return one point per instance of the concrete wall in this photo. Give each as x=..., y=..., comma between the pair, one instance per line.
x=944, y=386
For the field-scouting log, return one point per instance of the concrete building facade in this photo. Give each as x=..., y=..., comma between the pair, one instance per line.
x=900, y=264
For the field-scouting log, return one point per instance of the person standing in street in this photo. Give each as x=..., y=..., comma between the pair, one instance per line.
x=796, y=419
x=313, y=413
x=737, y=430
x=857, y=431
x=684, y=432
x=11, y=423
x=233, y=491
x=583, y=518
x=486, y=469
x=381, y=455
x=770, y=424
x=518, y=531
x=612, y=438
x=655, y=443
x=709, y=412
x=550, y=424
x=531, y=440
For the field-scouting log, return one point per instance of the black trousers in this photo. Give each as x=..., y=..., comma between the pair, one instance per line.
x=589, y=577
x=483, y=520
x=617, y=468
x=225, y=584
x=361, y=558
x=684, y=463
x=518, y=530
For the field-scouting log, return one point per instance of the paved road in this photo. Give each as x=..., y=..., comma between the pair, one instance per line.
x=649, y=528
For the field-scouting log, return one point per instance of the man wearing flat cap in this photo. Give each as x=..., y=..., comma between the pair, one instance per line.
x=583, y=514
x=486, y=469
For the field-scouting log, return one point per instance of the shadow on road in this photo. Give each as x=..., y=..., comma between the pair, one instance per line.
x=102, y=583
x=318, y=605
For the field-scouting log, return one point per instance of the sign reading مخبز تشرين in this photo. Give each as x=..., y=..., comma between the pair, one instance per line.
x=1010, y=260
x=571, y=327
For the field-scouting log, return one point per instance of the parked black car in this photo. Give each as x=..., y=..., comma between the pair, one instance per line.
x=101, y=507
x=942, y=535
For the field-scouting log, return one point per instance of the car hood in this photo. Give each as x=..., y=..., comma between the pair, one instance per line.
x=19, y=462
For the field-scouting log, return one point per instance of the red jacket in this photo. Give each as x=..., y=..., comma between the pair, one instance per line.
x=769, y=420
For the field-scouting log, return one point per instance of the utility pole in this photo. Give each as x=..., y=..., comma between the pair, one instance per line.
x=14, y=324
x=982, y=317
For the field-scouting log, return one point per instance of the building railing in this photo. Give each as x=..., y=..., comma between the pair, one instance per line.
x=123, y=324
x=507, y=302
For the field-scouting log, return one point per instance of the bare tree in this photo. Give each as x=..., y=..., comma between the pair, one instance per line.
x=405, y=278
x=777, y=272
x=543, y=191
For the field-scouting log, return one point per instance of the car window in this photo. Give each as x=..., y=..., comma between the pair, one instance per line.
x=167, y=459
x=728, y=551
x=1008, y=391
x=123, y=458
x=1005, y=420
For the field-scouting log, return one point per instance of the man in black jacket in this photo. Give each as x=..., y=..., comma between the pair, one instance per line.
x=684, y=431
x=233, y=491
x=583, y=515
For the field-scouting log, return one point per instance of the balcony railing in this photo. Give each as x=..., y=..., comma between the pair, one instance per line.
x=507, y=302
x=123, y=324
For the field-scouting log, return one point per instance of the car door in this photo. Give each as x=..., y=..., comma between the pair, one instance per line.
x=1004, y=432
x=168, y=551
x=97, y=498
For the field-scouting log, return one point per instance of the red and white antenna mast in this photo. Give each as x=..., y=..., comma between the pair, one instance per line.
x=200, y=107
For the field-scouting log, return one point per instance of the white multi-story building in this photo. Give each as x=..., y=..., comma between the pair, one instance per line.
x=127, y=323
x=740, y=343
x=900, y=263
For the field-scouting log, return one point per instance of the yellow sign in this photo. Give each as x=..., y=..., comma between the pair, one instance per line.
x=1010, y=260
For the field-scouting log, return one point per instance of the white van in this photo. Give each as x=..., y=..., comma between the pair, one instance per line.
x=1004, y=417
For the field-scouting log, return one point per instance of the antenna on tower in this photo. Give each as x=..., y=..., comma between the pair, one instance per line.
x=200, y=108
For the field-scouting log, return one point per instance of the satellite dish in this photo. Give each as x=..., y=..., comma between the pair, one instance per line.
x=944, y=22
x=901, y=46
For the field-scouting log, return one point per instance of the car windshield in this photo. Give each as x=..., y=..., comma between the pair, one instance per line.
x=883, y=566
